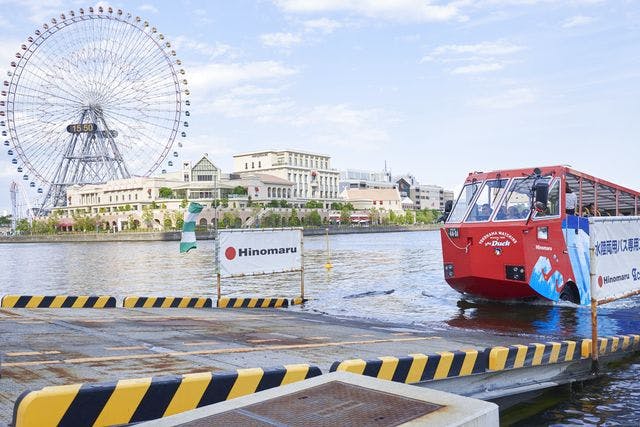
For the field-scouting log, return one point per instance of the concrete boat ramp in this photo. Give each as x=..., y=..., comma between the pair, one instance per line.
x=164, y=361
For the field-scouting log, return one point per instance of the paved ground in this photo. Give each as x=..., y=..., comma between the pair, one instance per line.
x=63, y=346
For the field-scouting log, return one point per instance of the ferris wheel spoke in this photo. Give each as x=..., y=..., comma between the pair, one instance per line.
x=71, y=97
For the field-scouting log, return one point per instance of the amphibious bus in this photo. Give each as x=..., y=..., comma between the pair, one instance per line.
x=511, y=236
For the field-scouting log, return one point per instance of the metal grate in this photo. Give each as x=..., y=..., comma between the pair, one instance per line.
x=330, y=404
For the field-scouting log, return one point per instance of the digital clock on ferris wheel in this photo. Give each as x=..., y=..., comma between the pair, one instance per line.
x=82, y=128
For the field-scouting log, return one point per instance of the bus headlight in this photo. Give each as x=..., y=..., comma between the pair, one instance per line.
x=515, y=272
x=448, y=270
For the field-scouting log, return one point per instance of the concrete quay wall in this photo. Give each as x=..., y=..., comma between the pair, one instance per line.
x=200, y=235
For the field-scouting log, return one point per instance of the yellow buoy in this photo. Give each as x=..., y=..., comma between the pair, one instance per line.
x=328, y=264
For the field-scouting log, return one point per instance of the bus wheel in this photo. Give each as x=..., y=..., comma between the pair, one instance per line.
x=570, y=293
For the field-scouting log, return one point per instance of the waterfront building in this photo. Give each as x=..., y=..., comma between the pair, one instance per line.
x=354, y=178
x=434, y=197
x=310, y=173
x=365, y=199
x=409, y=188
x=121, y=203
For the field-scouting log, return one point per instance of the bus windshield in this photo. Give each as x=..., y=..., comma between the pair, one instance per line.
x=487, y=200
x=517, y=203
x=465, y=198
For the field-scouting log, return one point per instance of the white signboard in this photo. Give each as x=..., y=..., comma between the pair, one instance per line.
x=616, y=260
x=259, y=251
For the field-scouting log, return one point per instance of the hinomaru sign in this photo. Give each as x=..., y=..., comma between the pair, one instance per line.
x=261, y=251
x=616, y=260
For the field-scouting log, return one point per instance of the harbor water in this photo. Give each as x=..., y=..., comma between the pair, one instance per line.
x=395, y=277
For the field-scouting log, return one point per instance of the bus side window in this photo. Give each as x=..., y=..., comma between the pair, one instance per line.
x=626, y=204
x=553, y=203
x=606, y=200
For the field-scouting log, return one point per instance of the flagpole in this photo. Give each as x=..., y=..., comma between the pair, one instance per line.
x=216, y=236
x=301, y=266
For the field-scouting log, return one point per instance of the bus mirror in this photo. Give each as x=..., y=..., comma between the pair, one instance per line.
x=447, y=207
x=541, y=195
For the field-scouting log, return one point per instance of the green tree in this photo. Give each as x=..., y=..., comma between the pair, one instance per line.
x=313, y=204
x=83, y=223
x=239, y=190
x=274, y=204
x=168, y=224
x=284, y=204
x=294, y=221
x=23, y=226
x=5, y=221
x=336, y=206
x=154, y=205
x=165, y=193
x=225, y=202
x=272, y=219
x=147, y=216
x=374, y=216
x=313, y=218
x=393, y=218
x=229, y=219
x=184, y=203
x=133, y=224
x=409, y=217
x=345, y=216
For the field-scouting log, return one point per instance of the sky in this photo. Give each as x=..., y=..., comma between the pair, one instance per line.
x=436, y=89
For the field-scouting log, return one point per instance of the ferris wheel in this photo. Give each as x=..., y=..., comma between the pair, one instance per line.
x=92, y=96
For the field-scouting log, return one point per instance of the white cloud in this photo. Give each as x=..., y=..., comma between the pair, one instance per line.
x=40, y=12
x=148, y=8
x=483, y=49
x=8, y=49
x=482, y=56
x=342, y=125
x=212, y=52
x=284, y=40
x=509, y=99
x=325, y=25
x=577, y=21
x=219, y=75
x=477, y=68
x=397, y=10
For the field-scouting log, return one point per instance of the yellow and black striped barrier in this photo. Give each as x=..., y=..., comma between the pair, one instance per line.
x=298, y=301
x=418, y=367
x=225, y=302
x=57, y=301
x=166, y=302
x=610, y=345
x=143, y=399
x=522, y=356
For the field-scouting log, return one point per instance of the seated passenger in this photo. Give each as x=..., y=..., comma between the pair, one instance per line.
x=502, y=213
x=485, y=212
x=513, y=213
x=590, y=210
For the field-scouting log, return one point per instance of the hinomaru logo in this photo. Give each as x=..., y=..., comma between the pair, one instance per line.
x=231, y=253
